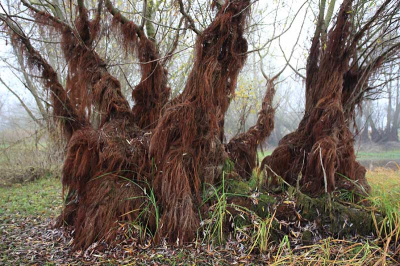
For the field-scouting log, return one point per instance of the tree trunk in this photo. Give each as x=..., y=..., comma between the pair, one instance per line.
x=388, y=129
x=186, y=143
x=364, y=137
x=394, y=131
x=320, y=152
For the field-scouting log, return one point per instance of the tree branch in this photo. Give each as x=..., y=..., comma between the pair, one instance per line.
x=37, y=121
x=188, y=17
x=63, y=109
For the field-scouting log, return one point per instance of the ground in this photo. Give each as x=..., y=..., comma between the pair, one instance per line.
x=27, y=237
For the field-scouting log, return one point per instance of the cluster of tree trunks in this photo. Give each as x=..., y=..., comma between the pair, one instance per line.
x=149, y=163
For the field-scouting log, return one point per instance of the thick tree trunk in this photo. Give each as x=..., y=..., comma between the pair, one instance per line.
x=186, y=142
x=320, y=152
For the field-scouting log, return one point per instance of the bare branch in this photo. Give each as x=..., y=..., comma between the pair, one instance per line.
x=188, y=17
x=26, y=108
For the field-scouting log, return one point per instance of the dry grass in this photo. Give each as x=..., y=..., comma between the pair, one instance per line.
x=26, y=157
x=383, y=180
x=381, y=249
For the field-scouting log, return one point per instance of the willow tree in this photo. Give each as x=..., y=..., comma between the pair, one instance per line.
x=148, y=163
x=170, y=148
x=320, y=155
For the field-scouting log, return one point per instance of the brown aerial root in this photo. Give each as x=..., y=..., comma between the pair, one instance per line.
x=106, y=173
x=63, y=110
x=319, y=155
x=109, y=201
x=185, y=143
x=88, y=80
x=242, y=149
x=91, y=86
x=107, y=167
x=152, y=92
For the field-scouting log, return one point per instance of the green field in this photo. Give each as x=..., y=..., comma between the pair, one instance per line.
x=386, y=155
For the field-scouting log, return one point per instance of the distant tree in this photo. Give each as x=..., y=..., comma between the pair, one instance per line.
x=2, y=101
x=393, y=108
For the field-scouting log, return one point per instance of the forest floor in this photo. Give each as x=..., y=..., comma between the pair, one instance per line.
x=27, y=211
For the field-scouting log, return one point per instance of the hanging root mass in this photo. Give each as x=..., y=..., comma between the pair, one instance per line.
x=150, y=163
x=319, y=155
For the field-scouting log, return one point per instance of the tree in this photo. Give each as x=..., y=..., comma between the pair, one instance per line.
x=105, y=159
x=320, y=153
x=150, y=163
x=389, y=131
x=392, y=119
x=1, y=105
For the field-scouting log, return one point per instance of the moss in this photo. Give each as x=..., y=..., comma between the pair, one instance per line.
x=229, y=166
x=242, y=188
x=310, y=207
x=341, y=219
x=255, y=180
x=264, y=205
x=307, y=237
x=237, y=187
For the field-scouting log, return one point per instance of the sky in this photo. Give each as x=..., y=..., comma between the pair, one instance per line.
x=273, y=62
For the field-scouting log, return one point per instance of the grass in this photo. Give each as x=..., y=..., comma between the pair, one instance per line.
x=386, y=155
x=385, y=183
x=25, y=211
x=385, y=197
x=42, y=198
x=39, y=198
x=215, y=226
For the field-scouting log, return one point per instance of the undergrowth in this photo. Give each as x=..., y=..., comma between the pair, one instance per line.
x=254, y=234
